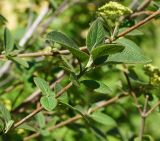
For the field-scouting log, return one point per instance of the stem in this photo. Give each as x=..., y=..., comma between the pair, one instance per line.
x=115, y=31
x=143, y=117
x=131, y=91
x=152, y=109
x=27, y=117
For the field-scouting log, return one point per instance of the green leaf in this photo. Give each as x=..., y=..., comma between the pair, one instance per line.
x=145, y=138
x=106, y=49
x=95, y=35
x=131, y=54
x=97, y=86
x=2, y=125
x=58, y=88
x=67, y=64
x=2, y=20
x=8, y=125
x=68, y=43
x=20, y=61
x=27, y=127
x=8, y=41
x=4, y=113
x=135, y=32
x=103, y=119
x=48, y=102
x=41, y=120
x=100, y=134
x=44, y=132
x=43, y=86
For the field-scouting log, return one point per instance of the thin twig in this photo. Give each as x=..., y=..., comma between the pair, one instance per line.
x=136, y=14
x=152, y=109
x=28, y=117
x=143, y=117
x=144, y=5
x=139, y=24
x=33, y=27
x=131, y=91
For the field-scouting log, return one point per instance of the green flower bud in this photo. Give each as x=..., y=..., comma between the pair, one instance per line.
x=154, y=74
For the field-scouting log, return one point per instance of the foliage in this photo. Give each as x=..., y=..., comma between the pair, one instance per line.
x=78, y=58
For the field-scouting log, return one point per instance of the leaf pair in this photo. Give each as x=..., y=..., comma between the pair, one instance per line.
x=48, y=100
x=95, y=41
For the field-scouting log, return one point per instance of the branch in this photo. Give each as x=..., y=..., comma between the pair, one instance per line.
x=77, y=117
x=152, y=109
x=41, y=108
x=139, y=24
x=144, y=5
x=64, y=6
x=33, y=27
x=28, y=117
x=44, y=53
x=136, y=14
x=131, y=91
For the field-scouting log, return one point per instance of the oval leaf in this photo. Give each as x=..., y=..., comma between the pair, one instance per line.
x=97, y=86
x=48, y=102
x=68, y=43
x=103, y=119
x=20, y=61
x=41, y=120
x=43, y=86
x=95, y=35
x=8, y=41
x=106, y=49
x=131, y=53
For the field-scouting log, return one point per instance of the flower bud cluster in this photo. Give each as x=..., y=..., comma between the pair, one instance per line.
x=113, y=10
x=154, y=74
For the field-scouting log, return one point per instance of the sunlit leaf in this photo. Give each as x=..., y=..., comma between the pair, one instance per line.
x=48, y=102
x=130, y=54
x=43, y=86
x=95, y=35
x=103, y=119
